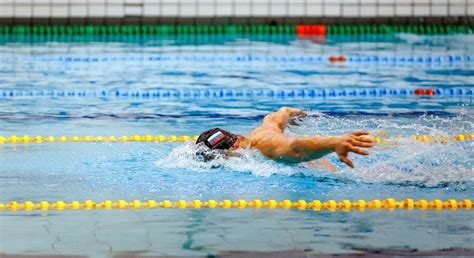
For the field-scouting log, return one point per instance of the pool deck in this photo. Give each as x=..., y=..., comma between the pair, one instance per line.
x=289, y=254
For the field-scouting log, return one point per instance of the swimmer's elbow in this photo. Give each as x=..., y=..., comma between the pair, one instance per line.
x=289, y=155
x=309, y=149
x=284, y=157
x=278, y=152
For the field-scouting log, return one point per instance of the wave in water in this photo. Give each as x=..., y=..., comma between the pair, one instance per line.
x=248, y=161
x=404, y=162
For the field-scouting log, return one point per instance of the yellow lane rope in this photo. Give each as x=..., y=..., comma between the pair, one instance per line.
x=183, y=138
x=123, y=138
x=316, y=205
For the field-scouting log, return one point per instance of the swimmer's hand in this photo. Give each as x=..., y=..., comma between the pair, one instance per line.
x=295, y=115
x=350, y=143
x=293, y=112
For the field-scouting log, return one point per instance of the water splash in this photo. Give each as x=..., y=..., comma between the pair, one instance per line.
x=406, y=162
x=410, y=38
x=403, y=163
x=458, y=44
x=247, y=161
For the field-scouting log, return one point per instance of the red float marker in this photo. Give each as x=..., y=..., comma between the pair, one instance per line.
x=341, y=59
x=337, y=59
x=418, y=92
x=428, y=92
x=310, y=30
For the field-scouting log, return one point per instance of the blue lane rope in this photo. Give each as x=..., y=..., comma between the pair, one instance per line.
x=450, y=59
x=227, y=93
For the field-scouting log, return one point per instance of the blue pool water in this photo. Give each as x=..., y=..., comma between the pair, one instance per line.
x=99, y=171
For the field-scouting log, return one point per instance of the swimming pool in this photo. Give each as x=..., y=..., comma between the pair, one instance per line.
x=94, y=87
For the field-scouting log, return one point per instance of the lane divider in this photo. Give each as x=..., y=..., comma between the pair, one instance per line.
x=297, y=30
x=320, y=30
x=173, y=138
x=333, y=59
x=315, y=205
x=252, y=58
x=123, y=138
x=235, y=94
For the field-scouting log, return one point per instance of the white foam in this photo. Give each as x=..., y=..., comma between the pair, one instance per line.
x=408, y=161
x=410, y=38
x=248, y=161
x=404, y=162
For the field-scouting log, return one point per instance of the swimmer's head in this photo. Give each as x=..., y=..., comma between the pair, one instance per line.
x=216, y=139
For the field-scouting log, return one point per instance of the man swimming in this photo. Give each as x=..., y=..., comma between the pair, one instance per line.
x=270, y=140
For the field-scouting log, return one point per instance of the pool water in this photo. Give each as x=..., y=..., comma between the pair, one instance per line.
x=100, y=171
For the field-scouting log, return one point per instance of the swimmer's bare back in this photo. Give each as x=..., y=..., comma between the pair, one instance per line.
x=271, y=141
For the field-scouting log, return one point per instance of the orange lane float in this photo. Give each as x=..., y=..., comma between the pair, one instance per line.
x=333, y=59
x=310, y=30
x=427, y=92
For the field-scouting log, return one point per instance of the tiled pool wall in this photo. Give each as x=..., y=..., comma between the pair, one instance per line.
x=234, y=11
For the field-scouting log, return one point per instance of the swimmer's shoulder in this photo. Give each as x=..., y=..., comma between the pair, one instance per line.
x=265, y=136
x=275, y=146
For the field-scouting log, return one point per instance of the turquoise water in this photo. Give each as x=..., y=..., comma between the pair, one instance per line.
x=99, y=171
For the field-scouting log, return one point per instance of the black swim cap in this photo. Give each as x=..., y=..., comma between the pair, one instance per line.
x=217, y=139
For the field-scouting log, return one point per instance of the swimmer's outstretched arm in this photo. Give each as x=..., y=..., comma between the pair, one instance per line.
x=271, y=141
x=316, y=147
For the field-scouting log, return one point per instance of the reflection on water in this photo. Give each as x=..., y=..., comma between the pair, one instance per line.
x=207, y=232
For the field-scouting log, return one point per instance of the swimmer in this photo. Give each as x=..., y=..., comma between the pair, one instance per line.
x=270, y=140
